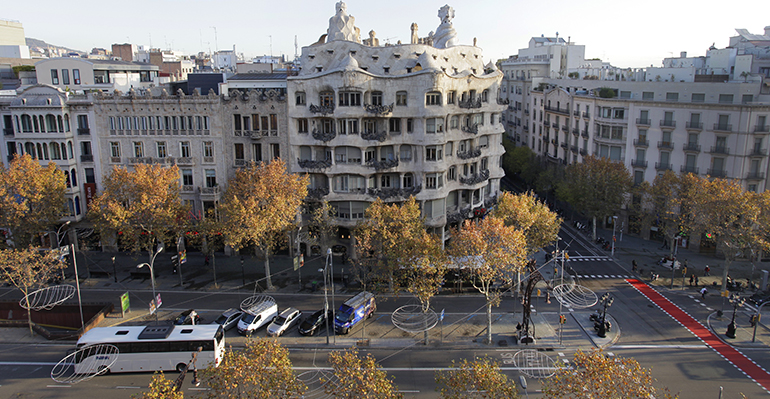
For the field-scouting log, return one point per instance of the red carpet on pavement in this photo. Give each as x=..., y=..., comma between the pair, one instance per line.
x=736, y=358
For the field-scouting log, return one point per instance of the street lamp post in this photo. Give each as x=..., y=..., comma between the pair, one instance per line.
x=160, y=249
x=606, y=300
x=114, y=270
x=756, y=320
x=329, y=267
x=737, y=302
x=614, y=222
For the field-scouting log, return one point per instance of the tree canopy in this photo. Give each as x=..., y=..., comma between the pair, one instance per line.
x=31, y=199
x=480, y=378
x=359, y=377
x=527, y=214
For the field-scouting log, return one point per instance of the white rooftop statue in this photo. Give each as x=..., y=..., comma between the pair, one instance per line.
x=342, y=26
x=445, y=36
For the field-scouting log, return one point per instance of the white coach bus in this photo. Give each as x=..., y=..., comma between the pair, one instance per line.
x=154, y=348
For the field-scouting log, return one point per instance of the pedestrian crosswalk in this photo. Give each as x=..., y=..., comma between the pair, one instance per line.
x=596, y=276
x=585, y=258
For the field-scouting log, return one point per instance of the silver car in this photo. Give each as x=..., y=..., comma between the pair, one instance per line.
x=228, y=319
x=283, y=322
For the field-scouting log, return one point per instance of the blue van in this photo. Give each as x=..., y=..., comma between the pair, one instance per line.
x=355, y=309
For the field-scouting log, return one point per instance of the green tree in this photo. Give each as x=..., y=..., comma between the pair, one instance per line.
x=261, y=370
x=487, y=251
x=594, y=375
x=527, y=214
x=259, y=206
x=358, y=377
x=142, y=206
x=596, y=187
x=480, y=378
x=160, y=388
x=322, y=228
x=28, y=269
x=606, y=92
x=31, y=199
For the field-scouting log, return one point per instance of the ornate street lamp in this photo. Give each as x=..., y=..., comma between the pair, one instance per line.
x=737, y=302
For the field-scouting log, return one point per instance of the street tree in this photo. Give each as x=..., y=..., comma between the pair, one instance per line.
x=359, y=377
x=141, y=207
x=527, y=214
x=594, y=375
x=322, y=227
x=261, y=370
x=480, y=378
x=160, y=388
x=521, y=161
x=29, y=269
x=487, y=252
x=597, y=187
x=665, y=199
x=31, y=199
x=259, y=207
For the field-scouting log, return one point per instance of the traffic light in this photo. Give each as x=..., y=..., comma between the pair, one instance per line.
x=562, y=319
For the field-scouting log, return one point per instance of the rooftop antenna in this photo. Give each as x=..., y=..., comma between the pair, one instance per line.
x=216, y=44
x=271, y=46
x=296, y=51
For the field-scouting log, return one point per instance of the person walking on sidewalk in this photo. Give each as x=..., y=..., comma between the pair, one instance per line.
x=692, y=279
x=633, y=266
x=703, y=292
x=706, y=270
x=696, y=281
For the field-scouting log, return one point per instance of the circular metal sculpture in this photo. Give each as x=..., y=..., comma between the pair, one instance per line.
x=255, y=300
x=575, y=296
x=534, y=363
x=412, y=319
x=84, y=364
x=316, y=382
x=48, y=297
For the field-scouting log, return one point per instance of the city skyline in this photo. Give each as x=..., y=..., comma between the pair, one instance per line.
x=500, y=29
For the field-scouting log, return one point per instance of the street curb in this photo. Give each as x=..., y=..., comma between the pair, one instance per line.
x=759, y=345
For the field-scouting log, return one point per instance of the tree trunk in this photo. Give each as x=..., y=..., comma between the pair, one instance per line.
x=29, y=312
x=489, y=322
x=725, y=273
x=214, y=266
x=268, y=280
x=593, y=228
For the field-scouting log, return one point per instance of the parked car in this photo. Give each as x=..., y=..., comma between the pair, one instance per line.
x=353, y=310
x=189, y=316
x=228, y=319
x=256, y=317
x=283, y=322
x=315, y=322
x=759, y=298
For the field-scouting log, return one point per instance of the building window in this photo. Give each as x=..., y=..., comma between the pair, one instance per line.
x=747, y=98
x=256, y=150
x=187, y=177
x=408, y=180
x=725, y=98
x=485, y=96
x=273, y=123
x=275, y=150
x=54, y=76
x=211, y=177
x=377, y=98
x=76, y=76
x=401, y=98
x=698, y=97
x=65, y=76
x=239, y=152
x=451, y=174
x=434, y=125
x=454, y=122
x=138, y=149
x=184, y=149
x=326, y=98
x=300, y=98
x=348, y=126
x=433, y=153
x=672, y=96
x=350, y=99
x=395, y=125
x=409, y=125
x=450, y=97
x=434, y=180
x=647, y=95
x=302, y=125
x=208, y=149
x=433, y=98
x=115, y=149
x=162, y=153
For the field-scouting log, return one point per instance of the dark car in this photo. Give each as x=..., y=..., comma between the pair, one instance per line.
x=315, y=322
x=189, y=316
x=759, y=297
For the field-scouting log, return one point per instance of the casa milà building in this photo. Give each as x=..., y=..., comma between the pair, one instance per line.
x=421, y=119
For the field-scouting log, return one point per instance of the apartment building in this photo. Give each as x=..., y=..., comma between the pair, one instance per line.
x=419, y=119
x=79, y=74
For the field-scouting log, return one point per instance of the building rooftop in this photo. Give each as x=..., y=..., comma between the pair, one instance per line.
x=258, y=76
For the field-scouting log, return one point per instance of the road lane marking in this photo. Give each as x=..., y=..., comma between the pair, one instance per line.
x=28, y=364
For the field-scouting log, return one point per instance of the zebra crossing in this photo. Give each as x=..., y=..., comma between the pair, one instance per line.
x=587, y=258
x=598, y=276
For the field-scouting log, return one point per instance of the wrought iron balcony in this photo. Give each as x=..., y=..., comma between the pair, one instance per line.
x=380, y=165
x=722, y=127
x=323, y=110
x=473, y=129
x=666, y=145
x=641, y=142
x=585, y=115
x=720, y=150
x=390, y=192
x=761, y=129
x=325, y=136
x=374, y=135
x=662, y=166
x=758, y=152
x=311, y=164
x=755, y=176
x=583, y=152
x=694, y=126
x=86, y=158
x=209, y=190
x=717, y=173
x=475, y=178
x=474, y=153
x=8, y=131
x=317, y=193
x=378, y=109
x=643, y=121
x=470, y=103
x=576, y=131
x=562, y=111
x=84, y=131
x=574, y=148
x=639, y=163
x=692, y=147
x=584, y=133
x=667, y=124
x=689, y=169
x=565, y=128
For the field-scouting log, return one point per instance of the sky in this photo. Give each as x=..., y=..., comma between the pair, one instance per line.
x=626, y=34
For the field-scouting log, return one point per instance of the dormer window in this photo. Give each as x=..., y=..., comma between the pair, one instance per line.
x=319, y=69
x=352, y=52
x=397, y=55
x=386, y=70
x=330, y=51
x=375, y=57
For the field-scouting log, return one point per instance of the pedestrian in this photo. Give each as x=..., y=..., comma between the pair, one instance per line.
x=696, y=281
x=206, y=261
x=633, y=265
x=706, y=270
x=692, y=279
x=703, y=292
x=547, y=296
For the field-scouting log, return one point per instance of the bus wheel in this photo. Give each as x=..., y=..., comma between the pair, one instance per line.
x=103, y=370
x=180, y=367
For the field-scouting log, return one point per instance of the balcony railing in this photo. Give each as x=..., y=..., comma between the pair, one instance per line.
x=643, y=121
x=583, y=152
x=694, y=147
x=667, y=124
x=311, y=164
x=662, y=166
x=720, y=150
x=114, y=159
x=562, y=111
x=758, y=152
x=564, y=145
x=666, y=145
x=761, y=129
x=84, y=131
x=328, y=136
x=565, y=128
x=576, y=131
x=584, y=133
x=317, y=193
x=86, y=158
x=470, y=103
x=475, y=178
x=694, y=126
x=184, y=161
x=378, y=109
x=526, y=112
x=689, y=169
x=576, y=113
x=721, y=127
x=555, y=125
x=585, y=115
x=474, y=153
x=717, y=172
x=390, y=192
x=323, y=110
x=641, y=142
x=639, y=163
x=755, y=176
x=381, y=165
x=574, y=148
x=209, y=190
x=473, y=129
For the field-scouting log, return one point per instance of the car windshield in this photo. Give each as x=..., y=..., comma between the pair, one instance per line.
x=280, y=320
x=345, y=315
x=248, y=318
x=221, y=319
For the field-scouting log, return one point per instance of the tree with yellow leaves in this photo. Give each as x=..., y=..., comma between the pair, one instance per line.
x=594, y=375
x=526, y=213
x=28, y=269
x=31, y=199
x=160, y=388
x=480, y=378
x=142, y=207
x=261, y=370
x=488, y=252
x=358, y=377
x=259, y=206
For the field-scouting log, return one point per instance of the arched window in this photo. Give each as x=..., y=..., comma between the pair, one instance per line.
x=45, y=151
x=77, y=205
x=66, y=123
x=63, y=151
x=36, y=124
x=55, y=152
x=60, y=124
x=29, y=148
x=74, y=178
x=71, y=206
x=69, y=150
x=26, y=123
x=50, y=122
x=39, y=151
x=67, y=176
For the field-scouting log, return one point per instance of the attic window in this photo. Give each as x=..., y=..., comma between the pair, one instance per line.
x=462, y=54
x=319, y=69
x=397, y=55
x=311, y=56
x=474, y=70
x=375, y=57
x=476, y=55
x=121, y=332
x=408, y=70
x=352, y=52
x=330, y=51
x=446, y=59
x=435, y=57
x=386, y=69
x=48, y=101
x=443, y=69
x=455, y=69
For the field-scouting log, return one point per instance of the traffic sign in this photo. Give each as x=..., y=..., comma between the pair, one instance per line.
x=124, y=303
x=441, y=318
x=158, y=301
x=152, y=307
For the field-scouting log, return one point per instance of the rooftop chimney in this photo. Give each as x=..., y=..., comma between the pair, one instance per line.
x=683, y=54
x=767, y=30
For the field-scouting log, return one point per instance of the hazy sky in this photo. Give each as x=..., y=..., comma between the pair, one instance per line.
x=625, y=34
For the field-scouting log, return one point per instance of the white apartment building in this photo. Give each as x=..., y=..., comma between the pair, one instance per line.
x=79, y=74
x=389, y=122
